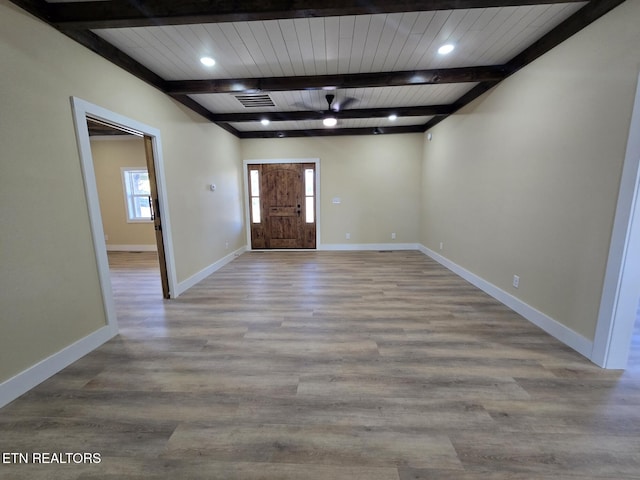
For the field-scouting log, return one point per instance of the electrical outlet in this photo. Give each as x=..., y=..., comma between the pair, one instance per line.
x=393, y=236
x=348, y=236
x=106, y=237
x=226, y=244
x=516, y=281
x=441, y=245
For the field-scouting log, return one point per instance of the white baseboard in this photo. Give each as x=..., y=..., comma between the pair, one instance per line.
x=368, y=246
x=24, y=381
x=38, y=373
x=202, y=274
x=554, y=328
x=132, y=248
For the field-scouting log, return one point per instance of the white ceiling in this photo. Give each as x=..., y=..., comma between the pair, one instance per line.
x=339, y=45
x=297, y=57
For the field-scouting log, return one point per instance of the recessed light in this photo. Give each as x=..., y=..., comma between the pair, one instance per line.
x=207, y=61
x=445, y=49
x=393, y=117
x=265, y=121
x=330, y=122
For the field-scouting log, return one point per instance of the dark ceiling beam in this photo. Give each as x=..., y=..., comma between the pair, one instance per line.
x=331, y=132
x=195, y=106
x=205, y=112
x=425, y=111
x=93, y=42
x=42, y=10
x=572, y=25
x=323, y=82
x=228, y=128
x=127, y=13
x=116, y=56
x=37, y=8
x=77, y=16
x=465, y=99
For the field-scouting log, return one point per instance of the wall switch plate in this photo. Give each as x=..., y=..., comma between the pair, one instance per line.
x=441, y=245
x=348, y=236
x=516, y=281
x=393, y=236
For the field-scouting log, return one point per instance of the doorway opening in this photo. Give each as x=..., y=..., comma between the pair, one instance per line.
x=85, y=112
x=621, y=293
x=128, y=203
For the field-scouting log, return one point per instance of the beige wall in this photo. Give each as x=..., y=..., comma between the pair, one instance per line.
x=202, y=221
x=49, y=290
x=110, y=155
x=525, y=180
x=376, y=178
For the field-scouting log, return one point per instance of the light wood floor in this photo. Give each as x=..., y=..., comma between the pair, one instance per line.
x=318, y=365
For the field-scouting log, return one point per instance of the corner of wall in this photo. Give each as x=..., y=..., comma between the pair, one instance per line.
x=204, y=273
x=41, y=371
x=554, y=328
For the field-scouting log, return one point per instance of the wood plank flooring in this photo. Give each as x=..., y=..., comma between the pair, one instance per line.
x=327, y=365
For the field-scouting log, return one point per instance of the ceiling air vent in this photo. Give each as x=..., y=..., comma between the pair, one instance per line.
x=260, y=100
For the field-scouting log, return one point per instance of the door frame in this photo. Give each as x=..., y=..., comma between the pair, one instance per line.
x=621, y=290
x=247, y=216
x=81, y=110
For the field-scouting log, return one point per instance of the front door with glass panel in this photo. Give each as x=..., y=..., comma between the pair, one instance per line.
x=282, y=205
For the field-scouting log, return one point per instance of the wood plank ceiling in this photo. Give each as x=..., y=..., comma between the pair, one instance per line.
x=377, y=57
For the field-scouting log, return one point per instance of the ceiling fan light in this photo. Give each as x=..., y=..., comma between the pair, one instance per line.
x=330, y=122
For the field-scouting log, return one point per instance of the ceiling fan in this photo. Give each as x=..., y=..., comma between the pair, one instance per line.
x=329, y=119
x=344, y=104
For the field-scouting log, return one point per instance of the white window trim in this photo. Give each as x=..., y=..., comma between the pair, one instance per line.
x=124, y=171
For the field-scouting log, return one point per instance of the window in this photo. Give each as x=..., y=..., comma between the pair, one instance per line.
x=254, y=179
x=137, y=193
x=309, y=187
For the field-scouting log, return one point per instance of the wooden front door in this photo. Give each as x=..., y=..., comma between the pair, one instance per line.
x=282, y=201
